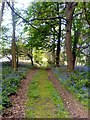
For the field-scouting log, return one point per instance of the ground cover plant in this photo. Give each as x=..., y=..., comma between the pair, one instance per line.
x=77, y=82
x=43, y=100
x=11, y=80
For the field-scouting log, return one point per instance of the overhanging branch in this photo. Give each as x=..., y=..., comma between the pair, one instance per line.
x=48, y=18
x=21, y=16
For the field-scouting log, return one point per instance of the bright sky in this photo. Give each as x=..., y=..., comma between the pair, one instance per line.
x=24, y=2
x=20, y=4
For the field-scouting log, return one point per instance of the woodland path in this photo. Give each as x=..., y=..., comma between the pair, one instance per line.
x=74, y=107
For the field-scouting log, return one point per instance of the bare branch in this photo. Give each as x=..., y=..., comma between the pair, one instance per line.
x=48, y=18
x=21, y=16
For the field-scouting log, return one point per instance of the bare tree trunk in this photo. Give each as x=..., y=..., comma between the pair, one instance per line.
x=30, y=56
x=70, y=7
x=14, y=63
x=59, y=36
x=1, y=12
x=53, y=56
x=53, y=49
x=17, y=59
x=58, y=45
x=76, y=37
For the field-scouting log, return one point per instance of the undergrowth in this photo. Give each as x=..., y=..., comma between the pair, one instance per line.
x=77, y=82
x=11, y=81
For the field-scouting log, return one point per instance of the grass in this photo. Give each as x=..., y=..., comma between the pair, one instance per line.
x=77, y=83
x=43, y=100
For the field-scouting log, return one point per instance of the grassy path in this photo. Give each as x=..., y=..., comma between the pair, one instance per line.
x=39, y=96
x=43, y=100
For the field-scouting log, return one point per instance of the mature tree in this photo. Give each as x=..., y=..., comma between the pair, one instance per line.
x=70, y=7
x=43, y=26
x=47, y=20
x=14, y=63
x=59, y=37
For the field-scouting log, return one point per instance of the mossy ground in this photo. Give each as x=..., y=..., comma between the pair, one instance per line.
x=43, y=100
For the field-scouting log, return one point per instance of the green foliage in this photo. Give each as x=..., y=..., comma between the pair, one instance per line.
x=40, y=37
x=46, y=33
x=5, y=101
x=40, y=57
x=11, y=81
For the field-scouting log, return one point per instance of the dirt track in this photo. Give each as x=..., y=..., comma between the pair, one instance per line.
x=18, y=109
x=74, y=107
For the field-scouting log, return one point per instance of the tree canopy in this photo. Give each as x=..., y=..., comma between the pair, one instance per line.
x=58, y=28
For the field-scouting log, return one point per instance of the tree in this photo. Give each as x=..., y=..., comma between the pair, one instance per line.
x=46, y=21
x=1, y=12
x=14, y=64
x=70, y=7
x=59, y=37
x=43, y=25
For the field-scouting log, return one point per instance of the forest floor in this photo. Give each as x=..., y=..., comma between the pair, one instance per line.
x=41, y=95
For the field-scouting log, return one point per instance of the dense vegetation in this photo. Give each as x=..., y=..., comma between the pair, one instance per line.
x=11, y=80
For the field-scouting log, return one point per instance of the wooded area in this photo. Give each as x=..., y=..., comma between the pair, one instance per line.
x=54, y=35
x=61, y=29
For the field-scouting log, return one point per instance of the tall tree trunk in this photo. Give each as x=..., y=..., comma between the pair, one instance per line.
x=58, y=45
x=14, y=63
x=76, y=37
x=58, y=42
x=53, y=49
x=70, y=7
x=17, y=57
x=1, y=12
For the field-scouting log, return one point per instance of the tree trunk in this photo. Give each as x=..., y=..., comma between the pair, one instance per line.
x=76, y=37
x=59, y=36
x=58, y=45
x=53, y=56
x=1, y=12
x=30, y=56
x=17, y=58
x=53, y=49
x=14, y=64
x=69, y=16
